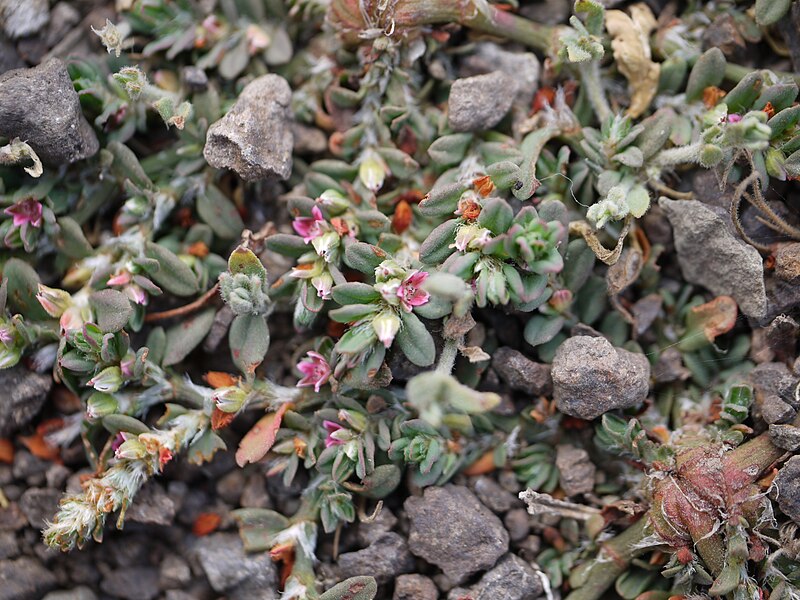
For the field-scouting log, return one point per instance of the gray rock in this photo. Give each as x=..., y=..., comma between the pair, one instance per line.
x=511, y=579
x=479, y=103
x=11, y=517
x=230, y=571
x=254, y=493
x=669, y=367
x=591, y=377
x=711, y=255
x=773, y=387
x=491, y=494
x=56, y=476
x=787, y=485
x=576, y=471
x=174, y=572
x=786, y=437
x=9, y=547
x=518, y=524
x=384, y=559
x=414, y=587
x=255, y=137
x=24, y=391
x=521, y=373
x=24, y=579
x=40, y=105
x=551, y=12
x=522, y=67
x=20, y=19
x=79, y=593
x=194, y=78
x=370, y=531
x=230, y=486
x=309, y=140
x=153, y=506
x=29, y=467
x=38, y=505
x=451, y=529
x=132, y=583
x=178, y=595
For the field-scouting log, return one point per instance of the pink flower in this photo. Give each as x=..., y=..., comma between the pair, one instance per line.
x=332, y=428
x=734, y=118
x=315, y=369
x=309, y=227
x=123, y=278
x=26, y=212
x=6, y=335
x=410, y=293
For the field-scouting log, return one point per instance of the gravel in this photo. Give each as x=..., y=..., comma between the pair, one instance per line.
x=451, y=529
x=511, y=579
x=521, y=373
x=132, y=583
x=592, y=377
x=787, y=485
x=414, y=587
x=711, y=255
x=384, y=559
x=40, y=106
x=24, y=579
x=232, y=572
x=255, y=137
x=25, y=393
x=576, y=471
x=479, y=103
x=21, y=18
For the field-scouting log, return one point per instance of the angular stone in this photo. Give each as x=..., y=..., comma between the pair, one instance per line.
x=21, y=18
x=518, y=524
x=522, y=67
x=451, y=529
x=591, y=377
x=479, y=103
x=511, y=579
x=132, y=583
x=230, y=571
x=40, y=106
x=24, y=579
x=370, y=531
x=786, y=437
x=787, y=262
x=711, y=255
x=492, y=495
x=384, y=559
x=153, y=506
x=38, y=505
x=79, y=593
x=24, y=394
x=414, y=587
x=787, y=485
x=521, y=373
x=576, y=470
x=255, y=137
x=174, y=572
x=773, y=387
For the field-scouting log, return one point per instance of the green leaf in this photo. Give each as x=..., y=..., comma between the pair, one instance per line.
x=70, y=239
x=354, y=293
x=156, y=344
x=504, y=174
x=742, y=96
x=449, y=149
x=112, y=309
x=578, y=264
x=173, y=274
x=436, y=246
x=249, y=342
x=769, y=12
x=364, y=257
x=540, y=329
x=496, y=215
x=116, y=423
x=707, y=71
x=219, y=213
x=442, y=200
x=415, y=341
x=23, y=285
x=355, y=588
x=352, y=312
x=288, y=245
x=185, y=336
x=203, y=448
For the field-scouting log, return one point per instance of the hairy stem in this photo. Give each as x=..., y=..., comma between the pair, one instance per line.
x=447, y=359
x=592, y=83
x=677, y=156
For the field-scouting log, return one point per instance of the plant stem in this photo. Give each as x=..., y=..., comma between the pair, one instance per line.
x=679, y=155
x=447, y=359
x=187, y=309
x=591, y=82
x=617, y=554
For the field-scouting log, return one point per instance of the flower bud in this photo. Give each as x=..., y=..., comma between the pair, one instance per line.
x=334, y=201
x=386, y=326
x=100, y=405
x=326, y=244
x=53, y=301
x=108, y=380
x=229, y=399
x=372, y=171
x=356, y=420
x=133, y=80
x=131, y=449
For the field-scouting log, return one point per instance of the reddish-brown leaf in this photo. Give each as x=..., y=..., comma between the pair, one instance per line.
x=257, y=442
x=485, y=464
x=206, y=523
x=39, y=447
x=220, y=379
x=6, y=451
x=220, y=420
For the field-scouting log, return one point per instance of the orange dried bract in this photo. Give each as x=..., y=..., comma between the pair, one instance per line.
x=545, y=96
x=206, y=523
x=483, y=185
x=403, y=215
x=219, y=379
x=340, y=226
x=485, y=464
x=39, y=447
x=198, y=249
x=711, y=95
x=769, y=109
x=220, y=419
x=766, y=482
x=469, y=209
x=6, y=451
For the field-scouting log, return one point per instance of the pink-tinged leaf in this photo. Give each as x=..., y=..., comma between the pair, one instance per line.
x=257, y=442
x=715, y=318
